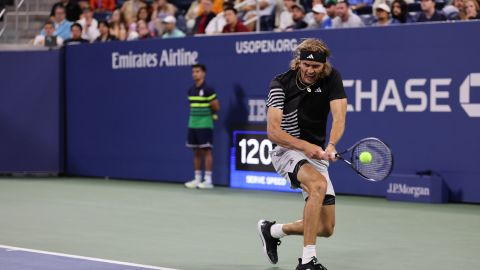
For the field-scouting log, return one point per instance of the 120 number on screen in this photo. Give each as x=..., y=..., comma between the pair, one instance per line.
x=253, y=152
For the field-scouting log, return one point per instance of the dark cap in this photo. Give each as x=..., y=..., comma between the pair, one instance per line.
x=296, y=5
x=329, y=3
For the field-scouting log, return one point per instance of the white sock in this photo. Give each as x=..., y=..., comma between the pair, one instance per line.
x=208, y=177
x=198, y=176
x=277, y=231
x=308, y=252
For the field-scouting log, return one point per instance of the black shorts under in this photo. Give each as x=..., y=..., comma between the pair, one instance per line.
x=200, y=138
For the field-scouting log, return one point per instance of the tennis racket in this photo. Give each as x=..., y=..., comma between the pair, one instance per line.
x=380, y=155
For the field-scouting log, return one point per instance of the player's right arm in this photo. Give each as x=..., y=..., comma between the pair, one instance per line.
x=282, y=138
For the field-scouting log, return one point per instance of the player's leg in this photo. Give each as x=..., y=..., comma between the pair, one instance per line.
x=206, y=142
x=327, y=212
x=192, y=142
x=197, y=161
x=325, y=218
x=208, y=157
x=287, y=163
x=315, y=184
x=326, y=223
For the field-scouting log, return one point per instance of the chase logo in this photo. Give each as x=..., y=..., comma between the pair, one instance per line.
x=472, y=109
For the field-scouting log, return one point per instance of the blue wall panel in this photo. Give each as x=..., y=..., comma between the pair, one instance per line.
x=30, y=110
x=131, y=122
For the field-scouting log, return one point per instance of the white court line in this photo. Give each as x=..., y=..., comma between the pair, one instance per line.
x=10, y=248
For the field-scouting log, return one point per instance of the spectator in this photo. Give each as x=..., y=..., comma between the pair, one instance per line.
x=117, y=25
x=89, y=25
x=76, y=30
x=170, y=28
x=143, y=15
x=309, y=15
x=389, y=3
x=142, y=31
x=319, y=15
x=429, y=13
x=286, y=16
x=102, y=5
x=104, y=30
x=331, y=7
x=216, y=25
x=202, y=21
x=49, y=39
x=72, y=10
x=266, y=9
x=83, y=4
x=62, y=26
x=130, y=9
x=191, y=14
x=472, y=10
x=360, y=5
x=102, y=8
x=460, y=5
x=382, y=12
x=345, y=17
x=298, y=16
x=217, y=6
x=233, y=24
x=400, y=12
x=160, y=10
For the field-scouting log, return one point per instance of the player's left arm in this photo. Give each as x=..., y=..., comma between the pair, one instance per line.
x=338, y=108
x=215, y=105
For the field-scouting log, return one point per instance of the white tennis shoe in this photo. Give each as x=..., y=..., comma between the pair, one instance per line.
x=192, y=184
x=206, y=185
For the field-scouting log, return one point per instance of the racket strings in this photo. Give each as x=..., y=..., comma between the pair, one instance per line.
x=382, y=160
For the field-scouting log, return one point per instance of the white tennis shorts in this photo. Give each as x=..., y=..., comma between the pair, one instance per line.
x=284, y=161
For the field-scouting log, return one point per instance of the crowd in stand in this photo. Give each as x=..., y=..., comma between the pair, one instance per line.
x=82, y=21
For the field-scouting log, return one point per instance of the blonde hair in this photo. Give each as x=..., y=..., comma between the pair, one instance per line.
x=475, y=3
x=312, y=45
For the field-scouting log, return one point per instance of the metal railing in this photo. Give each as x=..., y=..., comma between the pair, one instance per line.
x=3, y=11
x=18, y=4
x=256, y=17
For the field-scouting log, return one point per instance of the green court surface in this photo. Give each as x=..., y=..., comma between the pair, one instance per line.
x=169, y=226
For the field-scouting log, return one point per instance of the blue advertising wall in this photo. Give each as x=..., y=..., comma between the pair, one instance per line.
x=30, y=112
x=416, y=87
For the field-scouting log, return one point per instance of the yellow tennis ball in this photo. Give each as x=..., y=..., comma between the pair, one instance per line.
x=365, y=157
x=215, y=117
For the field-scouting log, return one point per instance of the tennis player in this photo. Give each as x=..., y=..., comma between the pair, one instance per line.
x=299, y=102
x=203, y=106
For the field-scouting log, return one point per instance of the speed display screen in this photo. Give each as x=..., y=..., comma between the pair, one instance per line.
x=251, y=165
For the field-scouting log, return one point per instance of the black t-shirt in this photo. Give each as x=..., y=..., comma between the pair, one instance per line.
x=72, y=10
x=436, y=17
x=71, y=41
x=305, y=112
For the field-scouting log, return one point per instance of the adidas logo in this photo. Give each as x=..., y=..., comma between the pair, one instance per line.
x=318, y=90
x=310, y=56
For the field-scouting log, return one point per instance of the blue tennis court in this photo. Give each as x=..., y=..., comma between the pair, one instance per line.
x=14, y=258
